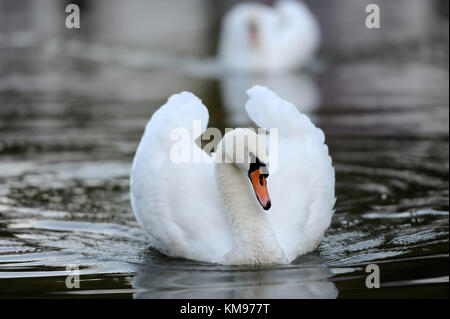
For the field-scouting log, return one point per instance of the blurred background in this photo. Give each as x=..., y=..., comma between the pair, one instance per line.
x=74, y=103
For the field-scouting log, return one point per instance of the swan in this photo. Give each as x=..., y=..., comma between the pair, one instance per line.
x=257, y=38
x=230, y=210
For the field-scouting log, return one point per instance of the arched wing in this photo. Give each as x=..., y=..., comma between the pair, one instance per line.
x=177, y=203
x=301, y=183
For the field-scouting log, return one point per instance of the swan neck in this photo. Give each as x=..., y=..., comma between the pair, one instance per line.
x=254, y=239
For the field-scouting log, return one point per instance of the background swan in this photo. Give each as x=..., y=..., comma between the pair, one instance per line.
x=214, y=211
x=258, y=38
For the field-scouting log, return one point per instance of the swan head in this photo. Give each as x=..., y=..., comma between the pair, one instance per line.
x=247, y=150
x=244, y=35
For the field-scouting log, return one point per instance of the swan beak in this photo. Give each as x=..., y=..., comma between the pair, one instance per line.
x=253, y=33
x=259, y=182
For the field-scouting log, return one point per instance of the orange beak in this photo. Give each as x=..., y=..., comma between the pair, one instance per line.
x=253, y=33
x=259, y=183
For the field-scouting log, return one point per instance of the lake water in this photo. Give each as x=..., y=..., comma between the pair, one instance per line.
x=73, y=107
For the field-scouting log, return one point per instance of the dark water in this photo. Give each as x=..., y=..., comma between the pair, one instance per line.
x=73, y=107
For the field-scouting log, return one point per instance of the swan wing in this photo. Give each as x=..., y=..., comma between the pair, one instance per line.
x=177, y=202
x=301, y=181
x=297, y=33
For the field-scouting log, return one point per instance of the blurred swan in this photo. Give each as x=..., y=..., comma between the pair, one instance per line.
x=258, y=38
x=214, y=211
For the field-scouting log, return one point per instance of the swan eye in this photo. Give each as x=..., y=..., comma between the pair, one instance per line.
x=262, y=177
x=256, y=164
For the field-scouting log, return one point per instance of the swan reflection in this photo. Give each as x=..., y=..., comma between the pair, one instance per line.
x=297, y=88
x=188, y=279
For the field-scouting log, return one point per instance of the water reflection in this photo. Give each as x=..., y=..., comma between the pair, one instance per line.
x=209, y=281
x=299, y=89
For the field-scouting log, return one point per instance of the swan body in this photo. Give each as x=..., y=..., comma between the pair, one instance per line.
x=257, y=38
x=215, y=211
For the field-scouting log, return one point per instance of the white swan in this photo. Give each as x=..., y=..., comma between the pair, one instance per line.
x=214, y=212
x=257, y=38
